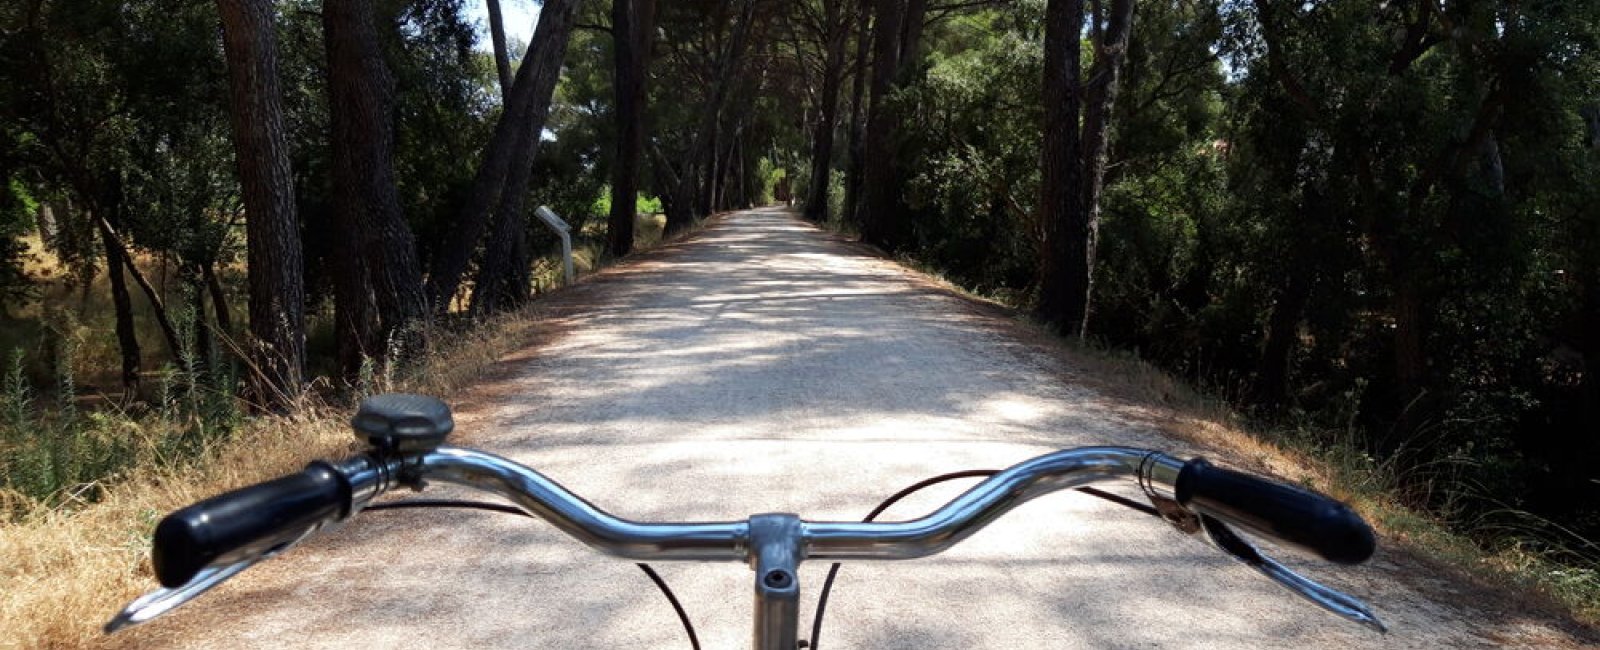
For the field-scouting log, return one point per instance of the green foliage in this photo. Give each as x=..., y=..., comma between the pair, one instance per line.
x=1433, y=208
x=770, y=173
x=644, y=204
x=976, y=178
x=17, y=208
x=54, y=454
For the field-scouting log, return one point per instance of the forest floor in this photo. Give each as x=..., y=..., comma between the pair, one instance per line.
x=766, y=366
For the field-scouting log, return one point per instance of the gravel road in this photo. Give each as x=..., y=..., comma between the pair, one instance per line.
x=763, y=366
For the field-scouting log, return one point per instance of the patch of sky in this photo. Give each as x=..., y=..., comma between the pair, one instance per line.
x=520, y=18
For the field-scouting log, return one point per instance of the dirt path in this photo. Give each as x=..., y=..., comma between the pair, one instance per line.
x=765, y=366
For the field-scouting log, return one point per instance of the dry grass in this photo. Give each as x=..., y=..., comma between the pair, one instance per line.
x=66, y=571
x=1339, y=469
x=87, y=317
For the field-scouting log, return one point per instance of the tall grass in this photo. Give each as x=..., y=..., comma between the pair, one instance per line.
x=73, y=560
x=83, y=487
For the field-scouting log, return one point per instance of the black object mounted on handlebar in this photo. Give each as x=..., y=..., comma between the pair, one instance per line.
x=1283, y=512
x=259, y=520
x=248, y=522
x=403, y=422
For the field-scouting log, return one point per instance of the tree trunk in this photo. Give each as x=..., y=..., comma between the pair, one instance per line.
x=219, y=299
x=277, y=289
x=45, y=217
x=1283, y=332
x=122, y=302
x=631, y=29
x=706, y=146
x=379, y=289
x=158, y=307
x=1590, y=340
x=822, y=149
x=502, y=280
x=1591, y=122
x=670, y=186
x=535, y=81
x=744, y=181
x=911, y=24
x=723, y=169
x=502, y=59
x=205, y=361
x=880, y=225
x=708, y=188
x=1100, y=98
x=1065, y=249
x=503, y=272
x=858, y=85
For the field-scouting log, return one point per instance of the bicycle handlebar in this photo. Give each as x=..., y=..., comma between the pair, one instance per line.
x=1282, y=512
x=248, y=522
x=230, y=531
x=257, y=518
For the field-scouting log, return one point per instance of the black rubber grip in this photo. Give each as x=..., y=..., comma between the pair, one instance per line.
x=1283, y=512
x=247, y=522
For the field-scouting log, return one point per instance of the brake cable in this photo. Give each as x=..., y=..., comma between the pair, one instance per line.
x=683, y=616
x=833, y=571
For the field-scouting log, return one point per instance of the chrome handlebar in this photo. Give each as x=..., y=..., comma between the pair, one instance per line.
x=754, y=540
x=730, y=540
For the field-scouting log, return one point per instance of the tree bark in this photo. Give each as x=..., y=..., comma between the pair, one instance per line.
x=670, y=186
x=158, y=307
x=277, y=289
x=1591, y=122
x=822, y=149
x=379, y=291
x=858, y=85
x=201, y=345
x=1271, y=383
x=219, y=299
x=122, y=303
x=911, y=25
x=1064, y=252
x=502, y=59
x=535, y=81
x=880, y=225
x=1099, y=98
x=632, y=28
x=502, y=280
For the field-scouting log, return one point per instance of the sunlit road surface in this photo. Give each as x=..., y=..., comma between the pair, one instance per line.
x=763, y=366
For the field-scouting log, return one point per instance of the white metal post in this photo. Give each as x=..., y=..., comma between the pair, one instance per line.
x=561, y=228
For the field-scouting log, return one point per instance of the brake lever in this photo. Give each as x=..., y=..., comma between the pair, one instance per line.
x=1344, y=605
x=164, y=600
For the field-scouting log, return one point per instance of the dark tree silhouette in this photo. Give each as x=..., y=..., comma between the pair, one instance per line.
x=277, y=287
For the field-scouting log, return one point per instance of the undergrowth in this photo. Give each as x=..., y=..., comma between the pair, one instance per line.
x=1535, y=555
x=83, y=480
